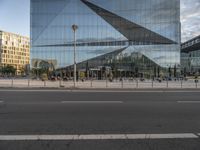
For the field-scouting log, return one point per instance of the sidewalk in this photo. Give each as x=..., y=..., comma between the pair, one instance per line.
x=126, y=84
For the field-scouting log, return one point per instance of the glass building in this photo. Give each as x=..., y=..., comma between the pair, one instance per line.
x=191, y=62
x=128, y=36
x=190, y=56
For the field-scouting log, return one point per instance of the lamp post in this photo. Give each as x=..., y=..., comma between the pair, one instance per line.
x=74, y=28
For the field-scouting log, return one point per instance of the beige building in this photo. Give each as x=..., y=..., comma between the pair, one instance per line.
x=14, y=51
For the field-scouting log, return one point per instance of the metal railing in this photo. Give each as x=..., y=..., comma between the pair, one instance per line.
x=115, y=84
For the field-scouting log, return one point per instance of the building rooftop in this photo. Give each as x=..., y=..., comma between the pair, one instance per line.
x=14, y=34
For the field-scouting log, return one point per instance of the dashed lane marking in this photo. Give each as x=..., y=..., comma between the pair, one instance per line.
x=189, y=102
x=92, y=102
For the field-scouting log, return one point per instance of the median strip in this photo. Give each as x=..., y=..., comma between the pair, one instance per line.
x=98, y=137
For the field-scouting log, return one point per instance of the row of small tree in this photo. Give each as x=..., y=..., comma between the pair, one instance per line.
x=8, y=70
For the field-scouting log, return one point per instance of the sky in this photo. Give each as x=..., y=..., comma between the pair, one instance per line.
x=15, y=17
x=190, y=18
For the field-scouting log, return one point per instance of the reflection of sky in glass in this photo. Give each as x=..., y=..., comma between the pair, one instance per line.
x=165, y=57
x=191, y=60
x=52, y=20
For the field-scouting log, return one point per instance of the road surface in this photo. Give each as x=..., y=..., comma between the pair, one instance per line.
x=99, y=120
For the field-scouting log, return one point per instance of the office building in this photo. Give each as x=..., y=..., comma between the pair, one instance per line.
x=128, y=37
x=14, y=51
x=190, y=56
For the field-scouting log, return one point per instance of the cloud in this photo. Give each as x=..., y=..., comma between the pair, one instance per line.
x=190, y=19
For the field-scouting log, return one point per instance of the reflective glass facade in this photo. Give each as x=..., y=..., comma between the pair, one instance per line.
x=190, y=56
x=124, y=34
x=191, y=62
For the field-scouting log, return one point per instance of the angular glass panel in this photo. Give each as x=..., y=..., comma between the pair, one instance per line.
x=104, y=27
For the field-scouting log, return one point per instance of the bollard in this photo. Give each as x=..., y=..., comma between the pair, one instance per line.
x=106, y=83
x=44, y=83
x=196, y=83
x=152, y=84
x=181, y=83
x=12, y=83
x=136, y=83
x=28, y=82
x=91, y=85
x=167, y=83
x=122, y=83
x=59, y=83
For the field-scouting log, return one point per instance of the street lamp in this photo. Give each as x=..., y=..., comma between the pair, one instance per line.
x=74, y=28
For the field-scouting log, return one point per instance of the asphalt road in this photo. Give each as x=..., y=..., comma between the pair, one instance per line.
x=59, y=112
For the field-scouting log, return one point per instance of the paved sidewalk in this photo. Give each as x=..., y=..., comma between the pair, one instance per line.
x=95, y=84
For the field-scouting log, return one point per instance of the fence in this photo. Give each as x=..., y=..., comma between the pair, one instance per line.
x=115, y=84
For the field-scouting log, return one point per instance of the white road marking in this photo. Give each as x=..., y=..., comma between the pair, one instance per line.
x=1, y=101
x=92, y=102
x=189, y=102
x=98, y=137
